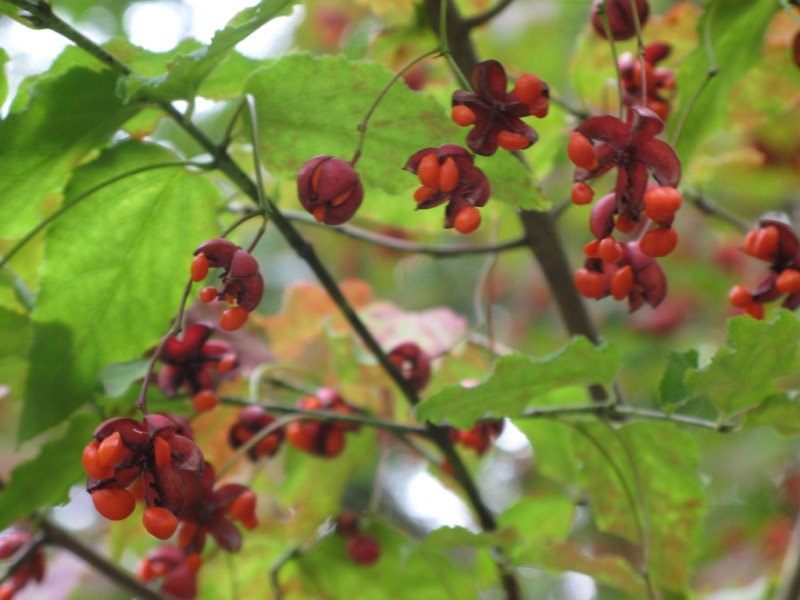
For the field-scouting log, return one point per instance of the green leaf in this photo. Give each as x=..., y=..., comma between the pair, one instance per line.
x=520, y=381
x=116, y=265
x=187, y=71
x=609, y=570
x=118, y=378
x=552, y=445
x=736, y=29
x=742, y=373
x=3, y=78
x=672, y=391
x=778, y=411
x=68, y=116
x=59, y=462
x=309, y=106
x=540, y=521
x=404, y=571
x=15, y=333
x=666, y=479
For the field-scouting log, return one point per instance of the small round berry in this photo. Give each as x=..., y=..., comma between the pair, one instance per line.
x=592, y=249
x=110, y=450
x=448, y=175
x=581, y=151
x=208, y=294
x=159, y=522
x=540, y=107
x=162, y=451
x=467, y=220
x=428, y=171
x=528, y=88
x=233, y=318
x=622, y=283
x=363, y=549
x=204, y=400
x=91, y=462
x=512, y=141
x=624, y=223
x=589, y=283
x=299, y=437
x=424, y=193
x=199, y=267
x=609, y=250
x=661, y=203
x=765, y=243
x=462, y=115
x=334, y=442
x=756, y=310
x=740, y=296
x=114, y=504
x=226, y=362
x=659, y=242
x=244, y=507
x=788, y=281
x=582, y=193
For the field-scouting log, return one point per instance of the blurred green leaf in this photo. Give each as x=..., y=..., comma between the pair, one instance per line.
x=552, y=446
x=672, y=391
x=736, y=31
x=27, y=489
x=519, y=382
x=664, y=487
x=187, y=71
x=116, y=266
x=539, y=521
x=117, y=378
x=606, y=570
x=3, y=78
x=404, y=570
x=778, y=411
x=309, y=106
x=742, y=372
x=72, y=115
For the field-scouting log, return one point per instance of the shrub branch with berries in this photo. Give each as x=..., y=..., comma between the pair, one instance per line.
x=232, y=428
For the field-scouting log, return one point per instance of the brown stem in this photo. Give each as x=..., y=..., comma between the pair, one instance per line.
x=55, y=535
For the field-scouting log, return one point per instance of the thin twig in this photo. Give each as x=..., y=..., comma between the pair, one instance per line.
x=393, y=243
x=602, y=13
x=487, y=15
x=362, y=126
x=58, y=536
x=705, y=206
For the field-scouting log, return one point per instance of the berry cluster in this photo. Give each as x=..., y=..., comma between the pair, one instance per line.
x=361, y=548
x=241, y=280
x=447, y=174
x=12, y=542
x=495, y=113
x=626, y=270
x=654, y=81
x=321, y=438
x=330, y=189
x=413, y=363
x=775, y=243
x=194, y=362
x=176, y=570
x=250, y=421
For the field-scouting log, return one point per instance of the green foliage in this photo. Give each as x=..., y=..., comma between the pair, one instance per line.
x=732, y=31
x=742, y=373
x=74, y=114
x=519, y=382
x=93, y=290
x=186, y=72
x=27, y=490
x=645, y=487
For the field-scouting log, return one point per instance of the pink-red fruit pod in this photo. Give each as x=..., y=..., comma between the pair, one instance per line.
x=363, y=549
x=621, y=17
x=330, y=189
